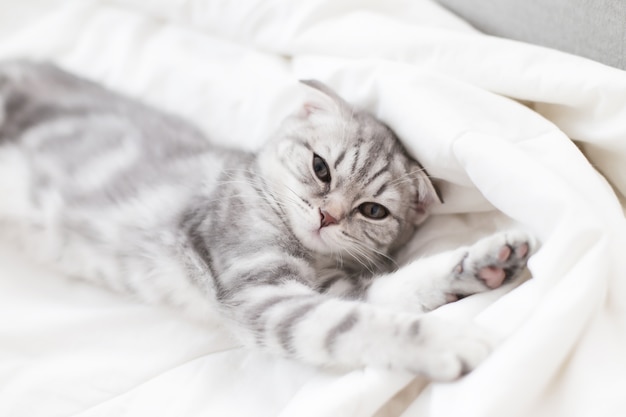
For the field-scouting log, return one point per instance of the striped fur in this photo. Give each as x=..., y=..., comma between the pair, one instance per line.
x=294, y=245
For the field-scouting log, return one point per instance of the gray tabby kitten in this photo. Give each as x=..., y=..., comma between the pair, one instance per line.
x=293, y=245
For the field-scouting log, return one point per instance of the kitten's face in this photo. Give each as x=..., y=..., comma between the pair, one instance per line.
x=346, y=184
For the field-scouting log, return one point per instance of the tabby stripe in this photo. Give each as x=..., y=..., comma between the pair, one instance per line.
x=256, y=314
x=301, y=142
x=363, y=170
x=285, y=327
x=325, y=286
x=377, y=174
x=380, y=190
x=269, y=276
x=342, y=327
x=355, y=161
x=340, y=158
x=414, y=328
x=369, y=236
x=359, y=289
x=202, y=250
x=191, y=222
x=305, y=201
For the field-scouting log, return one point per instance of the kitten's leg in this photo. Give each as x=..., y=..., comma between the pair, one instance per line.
x=293, y=320
x=431, y=282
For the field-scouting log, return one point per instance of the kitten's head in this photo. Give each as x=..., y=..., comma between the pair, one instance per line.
x=345, y=182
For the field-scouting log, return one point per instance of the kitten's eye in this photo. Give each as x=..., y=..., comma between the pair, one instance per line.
x=320, y=168
x=373, y=211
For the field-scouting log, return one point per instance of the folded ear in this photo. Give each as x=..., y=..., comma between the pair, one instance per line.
x=321, y=99
x=427, y=196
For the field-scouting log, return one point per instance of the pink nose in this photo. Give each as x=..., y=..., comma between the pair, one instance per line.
x=326, y=219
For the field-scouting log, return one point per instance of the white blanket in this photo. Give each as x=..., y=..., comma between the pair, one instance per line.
x=67, y=349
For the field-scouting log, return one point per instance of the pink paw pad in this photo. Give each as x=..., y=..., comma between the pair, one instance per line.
x=492, y=262
x=504, y=253
x=522, y=250
x=492, y=276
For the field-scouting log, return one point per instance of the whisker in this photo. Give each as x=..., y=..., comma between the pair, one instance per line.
x=369, y=249
x=364, y=255
x=408, y=176
x=379, y=253
x=358, y=259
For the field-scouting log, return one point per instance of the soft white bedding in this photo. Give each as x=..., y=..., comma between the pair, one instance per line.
x=67, y=349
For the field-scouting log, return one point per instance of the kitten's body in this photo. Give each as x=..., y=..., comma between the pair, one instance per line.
x=118, y=193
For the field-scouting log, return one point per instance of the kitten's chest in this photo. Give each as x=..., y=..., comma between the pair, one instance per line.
x=240, y=221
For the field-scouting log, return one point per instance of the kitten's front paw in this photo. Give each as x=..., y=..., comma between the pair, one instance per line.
x=451, y=349
x=493, y=261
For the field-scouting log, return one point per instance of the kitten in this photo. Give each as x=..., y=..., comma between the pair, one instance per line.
x=293, y=245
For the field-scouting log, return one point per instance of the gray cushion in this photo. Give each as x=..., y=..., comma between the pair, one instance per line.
x=595, y=29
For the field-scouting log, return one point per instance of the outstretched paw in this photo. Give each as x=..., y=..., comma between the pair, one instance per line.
x=494, y=260
x=450, y=350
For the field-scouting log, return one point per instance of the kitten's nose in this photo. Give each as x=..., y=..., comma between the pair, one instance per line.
x=326, y=219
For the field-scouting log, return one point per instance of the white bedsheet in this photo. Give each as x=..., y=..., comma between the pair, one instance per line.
x=67, y=349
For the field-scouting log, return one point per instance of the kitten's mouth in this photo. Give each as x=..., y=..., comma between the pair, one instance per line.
x=317, y=236
x=321, y=234
x=320, y=242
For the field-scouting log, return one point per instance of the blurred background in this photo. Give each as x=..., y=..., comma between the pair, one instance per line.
x=594, y=29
